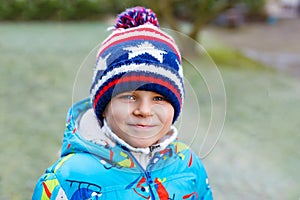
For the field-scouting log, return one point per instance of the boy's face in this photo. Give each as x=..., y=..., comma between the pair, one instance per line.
x=139, y=117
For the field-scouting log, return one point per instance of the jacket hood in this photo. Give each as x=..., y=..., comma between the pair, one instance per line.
x=83, y=134
x=73, y=141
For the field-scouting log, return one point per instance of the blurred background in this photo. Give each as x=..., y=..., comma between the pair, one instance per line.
x=254, y=44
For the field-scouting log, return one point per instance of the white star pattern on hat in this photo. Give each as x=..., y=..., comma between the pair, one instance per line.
x=101, y=64
x=143, y=48
x=180, y=71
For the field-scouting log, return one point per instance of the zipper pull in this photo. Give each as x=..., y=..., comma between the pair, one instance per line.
x=151, y=148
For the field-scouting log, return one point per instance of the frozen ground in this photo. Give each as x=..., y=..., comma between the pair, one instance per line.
x=257, y=156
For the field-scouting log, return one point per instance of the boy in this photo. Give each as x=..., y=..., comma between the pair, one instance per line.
x=121, y=143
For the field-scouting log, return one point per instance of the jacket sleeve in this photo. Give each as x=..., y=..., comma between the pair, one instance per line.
x=204, y=189
x=207, y=195
x=48, y=188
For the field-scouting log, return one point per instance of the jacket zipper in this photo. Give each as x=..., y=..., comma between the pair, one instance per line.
x=145, y=172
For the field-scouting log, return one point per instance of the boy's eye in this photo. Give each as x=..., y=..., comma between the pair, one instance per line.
x=127, y=97
x=159, y=98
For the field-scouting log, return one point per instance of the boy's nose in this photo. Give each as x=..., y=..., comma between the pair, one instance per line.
x=143, y=108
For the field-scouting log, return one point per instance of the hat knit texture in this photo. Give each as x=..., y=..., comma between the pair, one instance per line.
x=137, y=55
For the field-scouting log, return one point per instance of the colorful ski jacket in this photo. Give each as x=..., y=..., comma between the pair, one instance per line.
x=98, y=168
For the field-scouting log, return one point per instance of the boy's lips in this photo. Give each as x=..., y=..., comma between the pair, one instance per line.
x=143, y=131
x=142, y=125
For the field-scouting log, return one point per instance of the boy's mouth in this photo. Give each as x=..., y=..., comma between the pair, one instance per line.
x=142, y=125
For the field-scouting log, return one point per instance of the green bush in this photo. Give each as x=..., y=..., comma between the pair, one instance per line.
x=79, y=9
x=41, y=9
x=93, y=9
x=12, y=10
x=53, y=9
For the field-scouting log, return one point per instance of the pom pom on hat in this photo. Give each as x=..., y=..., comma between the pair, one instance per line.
x=136, y=16
x=137, y=55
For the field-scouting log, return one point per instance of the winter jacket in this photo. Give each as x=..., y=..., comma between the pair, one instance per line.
x=96, y=166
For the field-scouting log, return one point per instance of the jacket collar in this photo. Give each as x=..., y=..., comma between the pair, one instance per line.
x=161, y=145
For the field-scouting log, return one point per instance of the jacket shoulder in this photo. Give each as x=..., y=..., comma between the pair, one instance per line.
x=48, y=187
x=68, y=170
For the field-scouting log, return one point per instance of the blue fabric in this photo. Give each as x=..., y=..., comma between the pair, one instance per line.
x=91, y=171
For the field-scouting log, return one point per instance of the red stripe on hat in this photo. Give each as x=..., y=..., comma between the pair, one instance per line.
x=141, y=36
x=138, y=29
x=137, y=78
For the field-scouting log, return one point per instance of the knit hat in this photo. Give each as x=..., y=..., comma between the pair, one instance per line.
x=137, y=55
